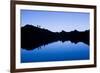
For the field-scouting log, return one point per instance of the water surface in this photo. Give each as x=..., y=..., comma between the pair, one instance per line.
x=56, y=51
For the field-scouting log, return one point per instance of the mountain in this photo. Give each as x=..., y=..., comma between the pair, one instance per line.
x=35, y=32
x=32, y=36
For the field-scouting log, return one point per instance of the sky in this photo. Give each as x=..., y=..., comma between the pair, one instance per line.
x=56, y=21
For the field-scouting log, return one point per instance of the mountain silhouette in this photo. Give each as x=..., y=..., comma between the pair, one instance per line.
x=33, y=37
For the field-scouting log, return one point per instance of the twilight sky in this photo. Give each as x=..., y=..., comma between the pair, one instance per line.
x=56, y=21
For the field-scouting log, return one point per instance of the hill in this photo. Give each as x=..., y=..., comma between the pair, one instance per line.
x=32, y=36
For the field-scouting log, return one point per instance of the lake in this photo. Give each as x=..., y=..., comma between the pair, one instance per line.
x=56, y=51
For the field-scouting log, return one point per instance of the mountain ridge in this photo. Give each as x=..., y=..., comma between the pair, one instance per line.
x=32, y=36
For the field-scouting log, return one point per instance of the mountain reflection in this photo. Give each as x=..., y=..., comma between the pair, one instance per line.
x=39, y=43
x=33, y=37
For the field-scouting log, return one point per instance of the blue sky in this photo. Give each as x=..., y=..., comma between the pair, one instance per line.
x=56, y=21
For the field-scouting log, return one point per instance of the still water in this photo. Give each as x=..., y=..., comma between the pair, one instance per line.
x=56, y=51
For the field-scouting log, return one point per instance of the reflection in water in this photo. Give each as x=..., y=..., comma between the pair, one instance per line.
x=56, y=51
x=34, y=44
x=33, y=37
x=42, y=45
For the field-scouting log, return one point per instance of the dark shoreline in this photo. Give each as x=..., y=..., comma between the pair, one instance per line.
x=33, y=37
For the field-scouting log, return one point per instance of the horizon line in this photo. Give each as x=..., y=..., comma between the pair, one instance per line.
x=38, y=26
